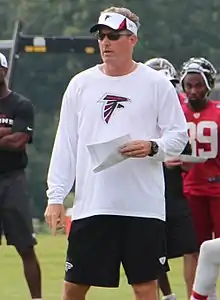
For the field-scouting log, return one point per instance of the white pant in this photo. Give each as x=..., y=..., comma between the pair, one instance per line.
x=208, y=267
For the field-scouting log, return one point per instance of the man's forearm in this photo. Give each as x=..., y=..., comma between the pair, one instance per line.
x=6, y=144
x=13, y=142
x=4, y=131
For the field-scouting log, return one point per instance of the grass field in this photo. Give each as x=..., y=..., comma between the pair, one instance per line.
x=51, y=252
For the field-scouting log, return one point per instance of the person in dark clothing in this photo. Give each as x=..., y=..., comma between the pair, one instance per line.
x=179, y=224
x=16, y=131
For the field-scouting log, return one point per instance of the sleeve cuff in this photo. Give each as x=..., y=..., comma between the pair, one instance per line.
x=55, y=201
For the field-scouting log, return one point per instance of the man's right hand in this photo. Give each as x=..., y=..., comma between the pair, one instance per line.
x=55, y=217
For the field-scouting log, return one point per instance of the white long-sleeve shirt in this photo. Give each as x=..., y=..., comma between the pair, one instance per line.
x=98, y=108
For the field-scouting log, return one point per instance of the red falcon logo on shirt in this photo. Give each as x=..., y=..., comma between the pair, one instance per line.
x=111, y=103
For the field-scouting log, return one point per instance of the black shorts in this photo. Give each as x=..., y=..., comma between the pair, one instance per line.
x=99, y=244
x=181, y=237
x=15, y=215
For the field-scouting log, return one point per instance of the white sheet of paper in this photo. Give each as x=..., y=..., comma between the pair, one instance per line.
x=106, y=154
x=192, y=159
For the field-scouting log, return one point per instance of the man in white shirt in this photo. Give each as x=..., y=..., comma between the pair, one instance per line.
x=119, y=213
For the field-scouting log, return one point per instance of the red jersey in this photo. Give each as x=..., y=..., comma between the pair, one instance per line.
x=182, y=98
x=204, y=131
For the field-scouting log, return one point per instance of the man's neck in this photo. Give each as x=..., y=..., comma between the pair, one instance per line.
x=4, y=91
x=116, y=70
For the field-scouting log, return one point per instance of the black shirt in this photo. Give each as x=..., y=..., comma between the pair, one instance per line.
x=16, y=112
x=176, y=203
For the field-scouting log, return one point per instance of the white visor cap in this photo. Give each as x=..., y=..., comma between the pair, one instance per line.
x=115, y=21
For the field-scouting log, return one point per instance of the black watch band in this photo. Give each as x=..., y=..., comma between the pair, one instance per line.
x=154, y=148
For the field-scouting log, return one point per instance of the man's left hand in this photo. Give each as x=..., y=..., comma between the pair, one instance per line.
x=136, y=149
x=173, y=163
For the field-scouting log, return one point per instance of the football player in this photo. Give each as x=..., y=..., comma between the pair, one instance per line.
x=16, y=132
x=202, y=182
x=207, y=270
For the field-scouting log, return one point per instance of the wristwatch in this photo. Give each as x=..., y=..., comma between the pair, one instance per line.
x=154, y=149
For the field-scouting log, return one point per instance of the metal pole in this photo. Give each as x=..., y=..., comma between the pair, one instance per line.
x=13, y=57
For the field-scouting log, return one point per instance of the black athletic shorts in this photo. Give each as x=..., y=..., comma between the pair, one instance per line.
x=98, y=245
x=181, y=237
x=15, y=215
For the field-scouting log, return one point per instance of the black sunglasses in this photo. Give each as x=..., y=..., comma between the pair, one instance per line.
x=112, y=36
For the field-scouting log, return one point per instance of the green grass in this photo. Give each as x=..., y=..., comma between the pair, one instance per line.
x=51, y=252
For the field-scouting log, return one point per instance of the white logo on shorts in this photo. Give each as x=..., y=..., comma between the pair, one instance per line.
x=68, y=266
x=162, y=260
